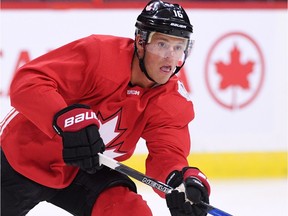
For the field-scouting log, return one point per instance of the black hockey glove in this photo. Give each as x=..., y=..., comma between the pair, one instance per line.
x=191, y=187
x=78, y=126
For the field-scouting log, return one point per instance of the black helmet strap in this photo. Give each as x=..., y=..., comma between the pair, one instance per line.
x=178, y=68
x=141, y=63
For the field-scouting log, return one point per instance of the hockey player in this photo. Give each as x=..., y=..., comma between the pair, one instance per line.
x=101, y=94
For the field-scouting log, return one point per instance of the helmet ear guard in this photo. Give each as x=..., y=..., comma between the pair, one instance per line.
x=143, y=36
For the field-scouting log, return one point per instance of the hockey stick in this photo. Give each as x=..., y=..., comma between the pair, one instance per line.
x=115, y=165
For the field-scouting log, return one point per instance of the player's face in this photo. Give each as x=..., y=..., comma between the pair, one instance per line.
x=163, y=54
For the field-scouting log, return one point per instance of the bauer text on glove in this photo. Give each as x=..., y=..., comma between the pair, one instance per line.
x=79, y=128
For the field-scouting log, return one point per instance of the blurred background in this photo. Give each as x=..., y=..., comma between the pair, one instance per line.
x=236, y=76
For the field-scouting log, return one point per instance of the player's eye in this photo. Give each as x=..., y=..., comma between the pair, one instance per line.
x=162, y=44
x=179, y=48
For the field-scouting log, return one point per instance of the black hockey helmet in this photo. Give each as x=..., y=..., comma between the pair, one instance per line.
x=166, y=18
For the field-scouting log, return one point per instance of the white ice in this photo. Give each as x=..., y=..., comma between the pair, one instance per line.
x=257, y=197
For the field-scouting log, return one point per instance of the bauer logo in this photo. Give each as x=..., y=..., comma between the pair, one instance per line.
x=234, y=70
x=79, y=118
x=178, y=25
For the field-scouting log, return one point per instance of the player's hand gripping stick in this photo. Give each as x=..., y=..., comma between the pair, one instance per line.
x=190, y=186
x=115, y=165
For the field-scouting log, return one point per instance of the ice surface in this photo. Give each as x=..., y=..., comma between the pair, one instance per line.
x=263, y=197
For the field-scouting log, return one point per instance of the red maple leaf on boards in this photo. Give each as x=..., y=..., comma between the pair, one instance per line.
x=234, y=73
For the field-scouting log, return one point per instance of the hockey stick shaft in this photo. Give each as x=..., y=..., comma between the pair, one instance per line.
x=115, y=165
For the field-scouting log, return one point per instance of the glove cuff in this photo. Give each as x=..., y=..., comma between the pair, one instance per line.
x=74, y=118
x=196, y=173
x=174, y=179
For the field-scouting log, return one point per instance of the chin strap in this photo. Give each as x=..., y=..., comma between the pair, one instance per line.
x=142, y=65
x=143, y=68
x=177, y=69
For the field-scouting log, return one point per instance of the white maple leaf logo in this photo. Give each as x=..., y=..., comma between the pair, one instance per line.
x=110, y=132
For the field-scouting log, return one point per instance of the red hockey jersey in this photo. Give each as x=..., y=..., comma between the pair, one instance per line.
x=95, y=71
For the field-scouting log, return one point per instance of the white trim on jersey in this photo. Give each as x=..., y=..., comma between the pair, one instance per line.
x=13, y=112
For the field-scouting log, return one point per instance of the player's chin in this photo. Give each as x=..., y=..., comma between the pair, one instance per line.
x=163, y=80
x=162, y=77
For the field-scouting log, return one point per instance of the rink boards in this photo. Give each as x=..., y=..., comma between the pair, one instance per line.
x=233, y=165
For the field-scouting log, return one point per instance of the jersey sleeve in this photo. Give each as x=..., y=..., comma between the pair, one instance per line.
x=167, y=137
x=47, y=84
